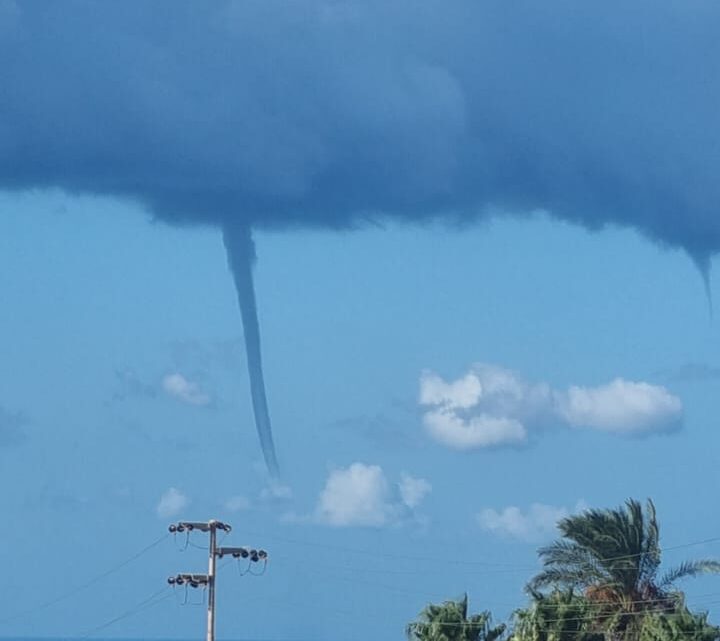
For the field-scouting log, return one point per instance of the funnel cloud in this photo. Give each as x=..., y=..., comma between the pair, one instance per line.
x=241, y=258
x=327, y=114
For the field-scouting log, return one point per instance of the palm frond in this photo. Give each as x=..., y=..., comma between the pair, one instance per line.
x=462, y=605
x=492, y=634
x=564, y=552
x=689, y=568
x=650, y=560
x=562, y=577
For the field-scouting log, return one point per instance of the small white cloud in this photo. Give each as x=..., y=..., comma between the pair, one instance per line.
x=461, y=433
x=172, y=502
x=459, y=394
x=357, y=495
x=492, y=406
x=180, y=388
x=539, y=522
x=621, y=406
x=413, y=490
x=360, y=495
x=237, y=504
x=487, y=407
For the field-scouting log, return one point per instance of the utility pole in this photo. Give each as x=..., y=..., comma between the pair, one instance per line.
x=211, y=579
x=214, y=552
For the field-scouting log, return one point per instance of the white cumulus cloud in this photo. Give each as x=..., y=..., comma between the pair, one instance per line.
x=537, y=523
x=463, y=393
x=491, y=406
x=461, y=433
x=184, y=390
x=621, y=406
x=171, y=503
x=360, y=495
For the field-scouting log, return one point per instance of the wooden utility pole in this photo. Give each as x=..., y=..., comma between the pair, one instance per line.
x=208, y=580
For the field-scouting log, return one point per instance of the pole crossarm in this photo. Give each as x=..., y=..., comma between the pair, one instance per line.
x=242, y=552
x=201, y=526
x=214, y=552
x=193, y=580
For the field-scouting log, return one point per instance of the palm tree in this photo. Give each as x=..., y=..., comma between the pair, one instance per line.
x=561, y=615
x=449, y=621
x=681, y=624
x=614, y=557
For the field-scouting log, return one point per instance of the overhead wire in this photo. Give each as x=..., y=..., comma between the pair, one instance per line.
x=198, y=547
x=409, y=572
x=657, y=602
x=499, y=567
x=264, y=569
x=240, y=570
x=435, y=597
x=384, y=554
x=153, y=600
x=84, y=586
x=187, y=541
x=583, y=634
x=669, y=548
x=394, y=571
x=588, y=618
x=157, y=597
x=351, y=575
x=336, y=574
x=150, y=602
x=187, y=599
x=510, y=567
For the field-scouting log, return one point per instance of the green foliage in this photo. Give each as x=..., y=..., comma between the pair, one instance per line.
x=566, y=616
x=557, y=616
x=599, y=583
x=614, y=556
x=680, y=625
x=450, y=622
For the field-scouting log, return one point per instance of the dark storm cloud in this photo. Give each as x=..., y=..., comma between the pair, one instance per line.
x=324, y=113
x=282, y=114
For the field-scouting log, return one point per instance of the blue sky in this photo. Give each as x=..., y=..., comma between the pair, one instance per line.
x=484, y=232
x=103, y=308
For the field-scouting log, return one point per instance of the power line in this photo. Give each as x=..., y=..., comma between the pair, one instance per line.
x=388, y=555
x=207, y=581
x=145, y=604
x=84, y=586
x=350, y=574
x=656, y=601
x=502, y=567
x=490, y=568
x=564, y=620
x=335, y=574
x=436, y=568
x=155, y=599
x=625, y=557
